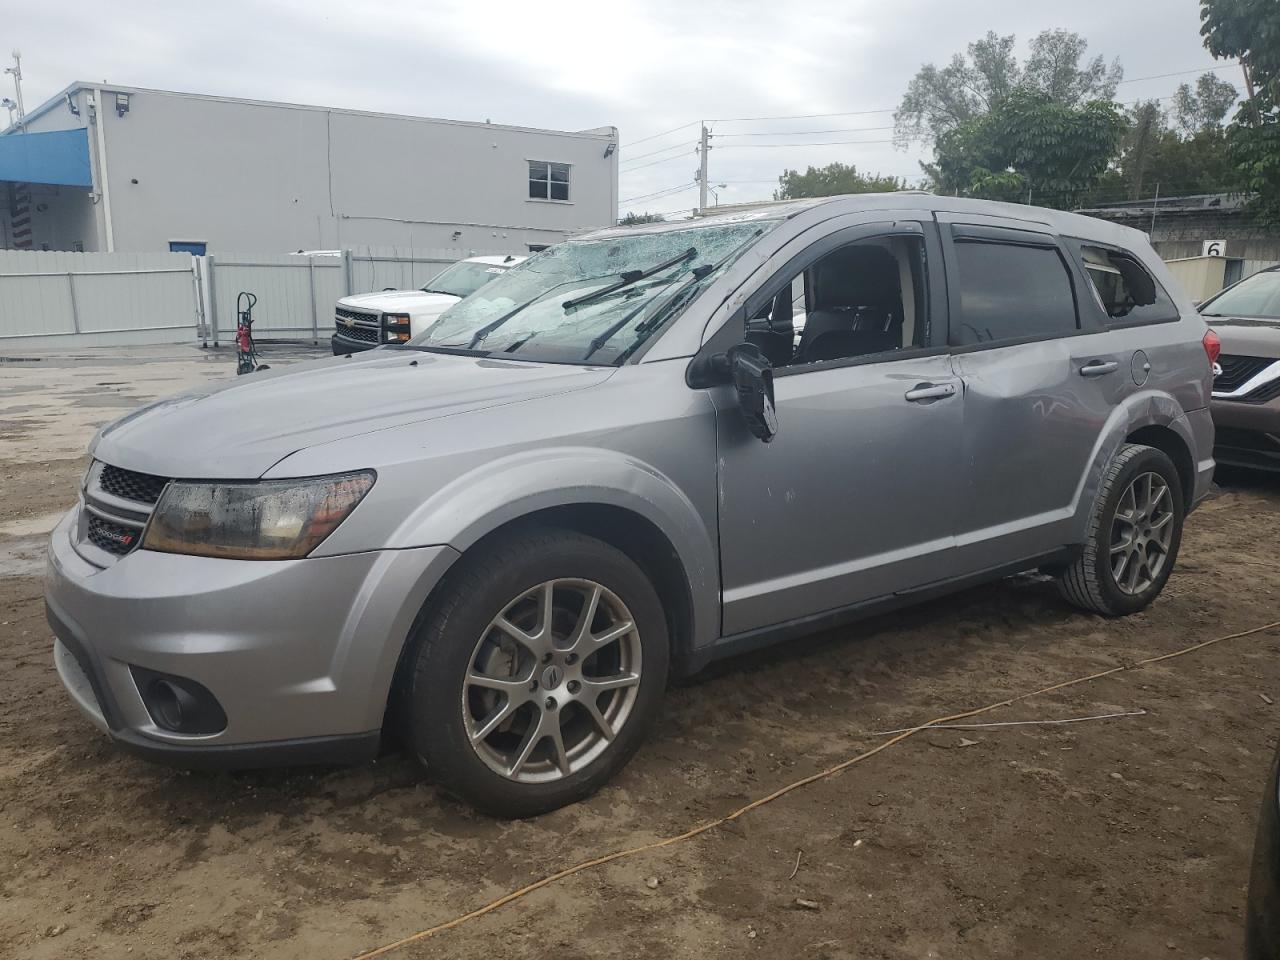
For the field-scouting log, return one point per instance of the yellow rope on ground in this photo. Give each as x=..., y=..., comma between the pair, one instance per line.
x=783, y=791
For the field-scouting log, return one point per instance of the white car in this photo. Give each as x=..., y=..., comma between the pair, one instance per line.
x=363, y=321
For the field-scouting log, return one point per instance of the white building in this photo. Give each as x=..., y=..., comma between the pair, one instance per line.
x=110, y=168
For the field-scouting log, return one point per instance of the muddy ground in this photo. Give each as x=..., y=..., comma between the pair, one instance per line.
x=1127, y=837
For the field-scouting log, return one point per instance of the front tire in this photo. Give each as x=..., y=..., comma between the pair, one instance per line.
x=536, y=673
x=1133, y=536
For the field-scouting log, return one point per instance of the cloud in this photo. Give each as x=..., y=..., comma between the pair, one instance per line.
x=642, y=65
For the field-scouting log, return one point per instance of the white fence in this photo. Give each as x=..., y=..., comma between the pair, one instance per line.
x=81, y=299
x=75, y=299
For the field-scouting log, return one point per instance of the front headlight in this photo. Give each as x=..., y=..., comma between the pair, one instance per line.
x=267, y=520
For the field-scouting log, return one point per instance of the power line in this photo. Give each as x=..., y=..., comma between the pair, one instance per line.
x=802, y=133
x=865, y=113
x=659, y=193
x=805, y=143
x=803, y=116
x=1182, y=73
x=691, y=123
x=654, y=153
x=654, y=163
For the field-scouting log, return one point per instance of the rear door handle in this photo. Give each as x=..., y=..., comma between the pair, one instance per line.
x=1099, y=368
x=931, y=391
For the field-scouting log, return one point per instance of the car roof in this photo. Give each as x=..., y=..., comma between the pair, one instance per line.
x=508, y=261
x=1056, y=221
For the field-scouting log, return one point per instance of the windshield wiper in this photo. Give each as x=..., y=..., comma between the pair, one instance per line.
x=435, y=290
x=493, y=325
x=663, y=310
x=628, y=278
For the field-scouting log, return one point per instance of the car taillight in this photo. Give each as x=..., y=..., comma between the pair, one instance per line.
x=1212, y=349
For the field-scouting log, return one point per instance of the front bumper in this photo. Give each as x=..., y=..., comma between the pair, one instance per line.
x=344, y=345
x=299, y=654
x=1248, y=434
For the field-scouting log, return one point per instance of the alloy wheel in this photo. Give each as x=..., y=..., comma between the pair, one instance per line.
x=1141, y=533
x=551, y=681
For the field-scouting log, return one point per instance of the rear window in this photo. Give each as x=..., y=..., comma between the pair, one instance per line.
x=1009, y=291
x=1124, y=288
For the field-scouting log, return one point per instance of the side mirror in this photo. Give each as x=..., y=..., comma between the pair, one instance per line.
x=748, y=370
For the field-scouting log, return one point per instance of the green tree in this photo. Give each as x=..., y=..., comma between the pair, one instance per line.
x=1249, y=30
x=938, y=100
x=633, y=219
x=1184, y=155
x=1031, y=147
x=833, y=180
x=1206, y=107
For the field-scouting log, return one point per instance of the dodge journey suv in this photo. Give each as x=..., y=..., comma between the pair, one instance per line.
x=617, y=462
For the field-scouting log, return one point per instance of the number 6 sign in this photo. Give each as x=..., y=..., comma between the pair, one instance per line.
x=1215, y=248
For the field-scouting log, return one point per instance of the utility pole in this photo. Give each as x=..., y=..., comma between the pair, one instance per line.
x=16, y=70
x=703, y=146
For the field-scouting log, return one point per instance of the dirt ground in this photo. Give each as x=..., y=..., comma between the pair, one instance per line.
x=1127, y=837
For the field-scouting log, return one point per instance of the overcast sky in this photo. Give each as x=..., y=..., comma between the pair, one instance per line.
x=643, y=66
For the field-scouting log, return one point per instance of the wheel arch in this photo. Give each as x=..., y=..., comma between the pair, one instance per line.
x=605, y=494
x=1170, y=442
x=1151, y=418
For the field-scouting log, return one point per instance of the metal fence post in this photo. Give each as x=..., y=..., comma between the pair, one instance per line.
x=346, y=273
x=315, y=318
x=75, y=308
x=209, y=277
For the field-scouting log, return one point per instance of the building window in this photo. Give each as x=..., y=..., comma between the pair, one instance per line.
x=537, y=247
x=548, y=181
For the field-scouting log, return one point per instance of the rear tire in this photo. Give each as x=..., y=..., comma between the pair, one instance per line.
x=1133, y=536
x=518, y=711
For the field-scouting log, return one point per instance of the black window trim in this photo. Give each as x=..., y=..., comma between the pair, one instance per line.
x=1008, y=236
x=935, y=292
x=1074, y=244
x=733, y=330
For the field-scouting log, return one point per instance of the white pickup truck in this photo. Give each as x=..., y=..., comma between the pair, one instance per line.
x=363, y=321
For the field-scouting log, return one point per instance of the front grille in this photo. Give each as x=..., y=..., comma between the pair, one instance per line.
x=115, y=538
x=358, y=326
x=130, y=485
x=1237, y=371
x=361, y=334
x=1263, y=394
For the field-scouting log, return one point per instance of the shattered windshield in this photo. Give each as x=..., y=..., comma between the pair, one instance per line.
x=591, y=301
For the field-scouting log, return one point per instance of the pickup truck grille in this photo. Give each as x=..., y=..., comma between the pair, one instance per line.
x=358, y=326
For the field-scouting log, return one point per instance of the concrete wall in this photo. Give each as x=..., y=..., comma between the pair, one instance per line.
x=242, y=175
x=1200, y=277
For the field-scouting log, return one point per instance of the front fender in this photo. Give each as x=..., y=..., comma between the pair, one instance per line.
x=479, y=502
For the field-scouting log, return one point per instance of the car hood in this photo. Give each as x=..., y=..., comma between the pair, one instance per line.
x=239, y=428
x=1245, y=337
x=413, y=301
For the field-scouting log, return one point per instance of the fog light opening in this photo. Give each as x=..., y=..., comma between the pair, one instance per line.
x=166, y=702
x=179, y=704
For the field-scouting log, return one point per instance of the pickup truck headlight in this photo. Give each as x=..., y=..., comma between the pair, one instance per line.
x=267, y=520
x=398, y=327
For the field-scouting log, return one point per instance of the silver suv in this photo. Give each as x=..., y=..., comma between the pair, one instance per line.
x=619, y=461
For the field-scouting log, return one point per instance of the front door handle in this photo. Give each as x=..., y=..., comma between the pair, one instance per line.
x=1099, y=368
x=925, y=392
